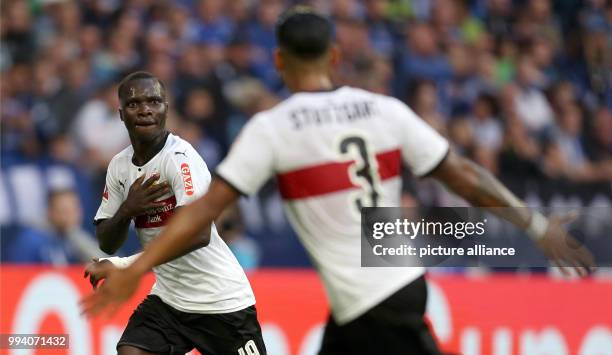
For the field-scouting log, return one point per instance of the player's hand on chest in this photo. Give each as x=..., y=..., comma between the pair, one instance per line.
x=143, y=194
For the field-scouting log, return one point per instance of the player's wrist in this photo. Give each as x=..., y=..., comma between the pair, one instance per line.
x=138, y=268
x=125, y=212
x=116, y=261
x=537, y=227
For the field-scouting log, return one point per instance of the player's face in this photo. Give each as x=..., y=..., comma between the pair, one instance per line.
x=143, y=109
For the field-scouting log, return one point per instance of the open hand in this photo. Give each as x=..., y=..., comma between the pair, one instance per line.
x=98, y=271
x=119, y=286
x=564, y=250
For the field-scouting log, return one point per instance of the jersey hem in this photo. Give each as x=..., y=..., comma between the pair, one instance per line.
x=437, y=163
x=358, y=309
x=240, y=307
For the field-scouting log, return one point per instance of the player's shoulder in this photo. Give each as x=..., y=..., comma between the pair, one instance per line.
x=302, y=99
x=384, y=100
x=176, y=144
x=262, y=121
x=388, y=106
x=122, y=158
x=179, y=151
x=351, y=90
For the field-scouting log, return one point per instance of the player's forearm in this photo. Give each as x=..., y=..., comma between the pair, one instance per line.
x=187, y=230
x=481, y=189
x=112, y=233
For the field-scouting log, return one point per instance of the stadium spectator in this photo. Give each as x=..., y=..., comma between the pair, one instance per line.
x=424, y=101
x=381, y=31
x=424, y=59
x=213, y=25
x=599, y=145
x=488, y=131
x=98, y=130
x=531, y=104
x=59, y=243
x=248, y=96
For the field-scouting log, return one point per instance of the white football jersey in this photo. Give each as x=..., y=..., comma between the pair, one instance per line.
x=332, y=153
x=207, y=280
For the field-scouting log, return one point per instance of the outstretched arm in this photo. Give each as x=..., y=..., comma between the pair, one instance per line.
x=481, y=189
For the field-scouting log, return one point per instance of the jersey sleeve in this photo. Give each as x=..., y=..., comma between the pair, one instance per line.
x=422, y=147
x=111, y=197
x=250, y=162
x=188, y=176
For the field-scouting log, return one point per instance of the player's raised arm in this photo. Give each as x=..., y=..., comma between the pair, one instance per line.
x=480, y=188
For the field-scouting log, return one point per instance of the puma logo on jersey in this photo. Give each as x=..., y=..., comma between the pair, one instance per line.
x=122, y=184
x=183, y=153
x=187, y=181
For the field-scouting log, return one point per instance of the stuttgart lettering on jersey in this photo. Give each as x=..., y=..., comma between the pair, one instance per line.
x=187, y=181
x=345, y=113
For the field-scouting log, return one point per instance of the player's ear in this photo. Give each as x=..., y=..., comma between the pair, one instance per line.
x=279, y=63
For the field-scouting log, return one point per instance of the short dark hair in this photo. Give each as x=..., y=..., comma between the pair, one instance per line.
x=304, y=33
x=137, y=75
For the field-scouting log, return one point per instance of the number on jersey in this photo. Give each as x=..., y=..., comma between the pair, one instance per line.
x=364, y=172
x=249, y=349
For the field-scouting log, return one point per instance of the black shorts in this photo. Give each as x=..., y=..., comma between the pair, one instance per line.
x=156, y=327
x=394, y=326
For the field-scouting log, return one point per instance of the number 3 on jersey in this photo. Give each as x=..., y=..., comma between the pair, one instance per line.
x=363, y=172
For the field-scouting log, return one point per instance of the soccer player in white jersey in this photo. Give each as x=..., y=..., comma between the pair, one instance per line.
x=201, y=300
x=334, y=151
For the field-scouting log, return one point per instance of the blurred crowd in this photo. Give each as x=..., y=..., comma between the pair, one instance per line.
x=522, y=87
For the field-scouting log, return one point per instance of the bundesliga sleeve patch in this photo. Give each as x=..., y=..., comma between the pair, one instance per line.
x=105, y=193
x=187, y=181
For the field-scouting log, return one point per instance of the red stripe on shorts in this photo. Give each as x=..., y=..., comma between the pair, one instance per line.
x=332, y=177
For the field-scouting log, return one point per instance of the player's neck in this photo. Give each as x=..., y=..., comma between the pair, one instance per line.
x=309, y=81
x=145, y=151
